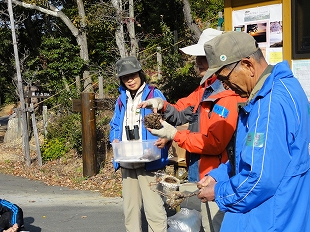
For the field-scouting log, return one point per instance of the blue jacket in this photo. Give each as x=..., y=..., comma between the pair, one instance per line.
x=10, y=214
x=271, y=188
x=116, y=125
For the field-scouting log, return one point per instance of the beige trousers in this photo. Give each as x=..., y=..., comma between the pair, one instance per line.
x=212, y=217
x=138, y=193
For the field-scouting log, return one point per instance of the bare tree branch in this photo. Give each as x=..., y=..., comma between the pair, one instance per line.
x=189, y=19
x=80, y=35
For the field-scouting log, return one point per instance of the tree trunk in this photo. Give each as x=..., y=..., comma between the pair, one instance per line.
x=131, y=29
x=80, y=35
x=129, y=19
x=26, y=148
x=189, y=20
x=119, y=33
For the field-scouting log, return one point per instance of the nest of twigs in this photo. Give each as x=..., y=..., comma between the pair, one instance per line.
x=152, y=121
x=170, y=185
x=175, y=198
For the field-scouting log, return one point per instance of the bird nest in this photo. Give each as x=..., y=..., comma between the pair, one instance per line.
x=170, y=186
x=152, y=121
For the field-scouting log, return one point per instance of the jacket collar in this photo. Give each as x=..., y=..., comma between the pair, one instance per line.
x=280, y=71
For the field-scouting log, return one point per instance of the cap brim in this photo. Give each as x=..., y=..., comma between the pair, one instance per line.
x=194, y=50
x=128, y=72
x=208, y=74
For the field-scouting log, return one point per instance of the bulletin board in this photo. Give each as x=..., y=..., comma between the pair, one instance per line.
x=301, y=70
x=264, y=23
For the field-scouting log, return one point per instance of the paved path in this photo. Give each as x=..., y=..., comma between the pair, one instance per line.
x=59, y=209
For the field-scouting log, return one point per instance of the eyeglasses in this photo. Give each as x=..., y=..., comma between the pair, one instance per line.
x=126, y=77
x=226, y=78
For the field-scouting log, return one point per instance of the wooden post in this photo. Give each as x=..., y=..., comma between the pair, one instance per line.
x=89, y=141
x=87, y=106
x=45, y=120
x=35, y=133
x=27, y=105
x=176, y=38
x=159, y=62
x=78, y=84
x=100, y=80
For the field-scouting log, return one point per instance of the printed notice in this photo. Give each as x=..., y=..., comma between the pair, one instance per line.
x=301, y=70
x=275, y=57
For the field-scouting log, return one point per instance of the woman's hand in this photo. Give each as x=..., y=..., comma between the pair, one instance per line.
x=161, y=142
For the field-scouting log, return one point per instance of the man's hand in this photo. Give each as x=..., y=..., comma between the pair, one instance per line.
x=167, y=131
x=153, y=103
x=206, y=186
x=14, y=228
x=207, y=193
x=205, y=181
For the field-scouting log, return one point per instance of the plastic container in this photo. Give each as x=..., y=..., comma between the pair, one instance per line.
x=135, y=151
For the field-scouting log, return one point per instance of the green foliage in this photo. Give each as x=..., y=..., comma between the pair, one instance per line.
x=178, y=77
x=55, y=69
x=101, y=34
x=53, y=149
x=102, y=120
x=67, y=127
x=7, y=93
x=151, y=13
x=206, y=11
x=58, y=58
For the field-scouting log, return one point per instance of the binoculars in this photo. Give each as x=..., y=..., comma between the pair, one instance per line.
x=132, y=134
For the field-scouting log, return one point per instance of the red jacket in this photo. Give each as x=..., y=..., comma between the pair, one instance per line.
x=217, y=120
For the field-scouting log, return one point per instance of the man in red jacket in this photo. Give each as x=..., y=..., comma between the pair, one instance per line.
x=211, y=112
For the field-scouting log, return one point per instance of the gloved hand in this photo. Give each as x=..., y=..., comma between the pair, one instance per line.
x=168, y=131
x=154, y=103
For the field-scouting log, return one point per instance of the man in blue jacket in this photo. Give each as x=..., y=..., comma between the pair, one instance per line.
x=11, y=217
x=266, y=187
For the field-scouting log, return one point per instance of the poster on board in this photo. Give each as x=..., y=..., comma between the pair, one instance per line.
x=265, y=25
x=301, y=70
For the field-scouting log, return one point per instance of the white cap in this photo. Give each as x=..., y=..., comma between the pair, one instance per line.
x=198, y=49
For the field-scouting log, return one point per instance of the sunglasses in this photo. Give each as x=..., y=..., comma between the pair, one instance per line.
x=225, y=78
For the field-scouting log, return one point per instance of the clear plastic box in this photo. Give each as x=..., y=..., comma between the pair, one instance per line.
x=135, y=151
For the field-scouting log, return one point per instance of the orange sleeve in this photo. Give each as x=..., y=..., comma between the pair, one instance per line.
x=215, y=132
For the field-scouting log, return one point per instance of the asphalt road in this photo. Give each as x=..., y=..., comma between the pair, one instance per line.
x=59, y=209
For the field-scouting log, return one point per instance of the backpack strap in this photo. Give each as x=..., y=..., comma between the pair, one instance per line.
x=151, y=93
x=119, y=102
